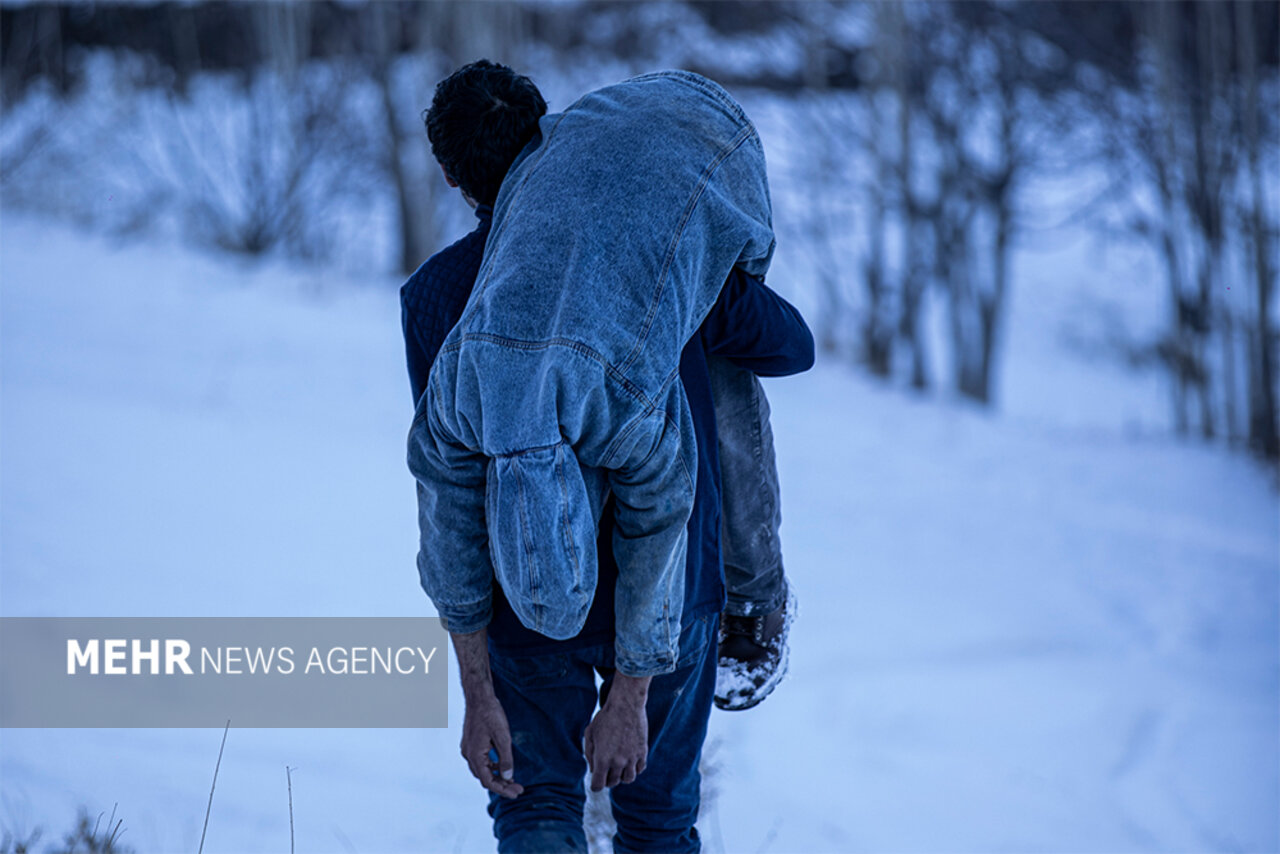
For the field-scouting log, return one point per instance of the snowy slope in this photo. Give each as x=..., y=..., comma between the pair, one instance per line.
x=1016, y=633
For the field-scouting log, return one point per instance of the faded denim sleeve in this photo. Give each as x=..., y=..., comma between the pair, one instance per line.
x=453, y=552
x=653, y=487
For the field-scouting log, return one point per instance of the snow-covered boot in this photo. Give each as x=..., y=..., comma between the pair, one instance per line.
x=753, y=656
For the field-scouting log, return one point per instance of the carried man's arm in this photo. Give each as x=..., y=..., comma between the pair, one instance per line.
x=454, y=567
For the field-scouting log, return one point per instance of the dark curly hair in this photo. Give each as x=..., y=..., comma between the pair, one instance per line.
x=481, y=116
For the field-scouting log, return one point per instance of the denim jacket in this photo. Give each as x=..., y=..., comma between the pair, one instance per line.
x=612, y=235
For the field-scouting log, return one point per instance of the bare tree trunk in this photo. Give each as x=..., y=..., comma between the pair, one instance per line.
x=1263, y=434
x=1215, y=149
x=999, y=190
x=877, y=334
x=913, y=274
x=992, y=307
x=953, y=266
x=1182, y=357
x=417, y=227
x=879, y=345
x=1173, y=274
x=1206, y=186
x=416, y=237
x=832, y=309
x=829, y=120
x=913, y=281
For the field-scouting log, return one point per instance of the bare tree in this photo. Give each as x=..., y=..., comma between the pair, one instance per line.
x=390, y=36
x=1203, y=146
x=830, y=129
x=915, y=210
x=1186, y=127
x=408, y=47
x=266, y=166
x=963, y=152
x=1263, y=432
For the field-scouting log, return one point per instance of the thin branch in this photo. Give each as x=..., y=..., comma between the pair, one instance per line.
x=288, y=773
x=212, y=786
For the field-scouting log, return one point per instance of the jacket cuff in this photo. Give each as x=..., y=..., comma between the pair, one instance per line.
x=465, y=619
x=653, y=663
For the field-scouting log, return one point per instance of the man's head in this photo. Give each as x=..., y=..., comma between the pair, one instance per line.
x=481, y=116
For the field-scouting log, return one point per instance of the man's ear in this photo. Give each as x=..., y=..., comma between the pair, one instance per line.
x=448, y=179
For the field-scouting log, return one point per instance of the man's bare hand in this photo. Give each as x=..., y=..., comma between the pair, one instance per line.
x=616, y=742
x=485, y=729
x=485, y=732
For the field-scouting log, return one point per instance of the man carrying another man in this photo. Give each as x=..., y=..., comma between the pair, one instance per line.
x=565, y=438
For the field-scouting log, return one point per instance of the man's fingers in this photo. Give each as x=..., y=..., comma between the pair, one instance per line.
x=500, y=784
x=478, y=765
x=640, y=766
x=589, y=750
x=608, y=775
x=503, y=788
x=502, y=747
x=480, y=761
x=594, y=765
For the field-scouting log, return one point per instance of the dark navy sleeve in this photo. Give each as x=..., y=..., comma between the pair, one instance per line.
x=756, y=329
x=434, y=297
x=415, y=356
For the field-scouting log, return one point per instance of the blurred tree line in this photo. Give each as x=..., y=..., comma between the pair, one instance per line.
x=923, y=126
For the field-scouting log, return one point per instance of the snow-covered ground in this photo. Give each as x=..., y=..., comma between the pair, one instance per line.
x=1033, y=631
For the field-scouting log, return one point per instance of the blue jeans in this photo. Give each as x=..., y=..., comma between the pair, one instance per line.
x=750, y=503
x=549, y=700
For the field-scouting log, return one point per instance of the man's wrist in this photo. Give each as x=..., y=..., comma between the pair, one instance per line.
x=472, y=650
x=479, y=692
x=476, y=683
x=629, y=690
